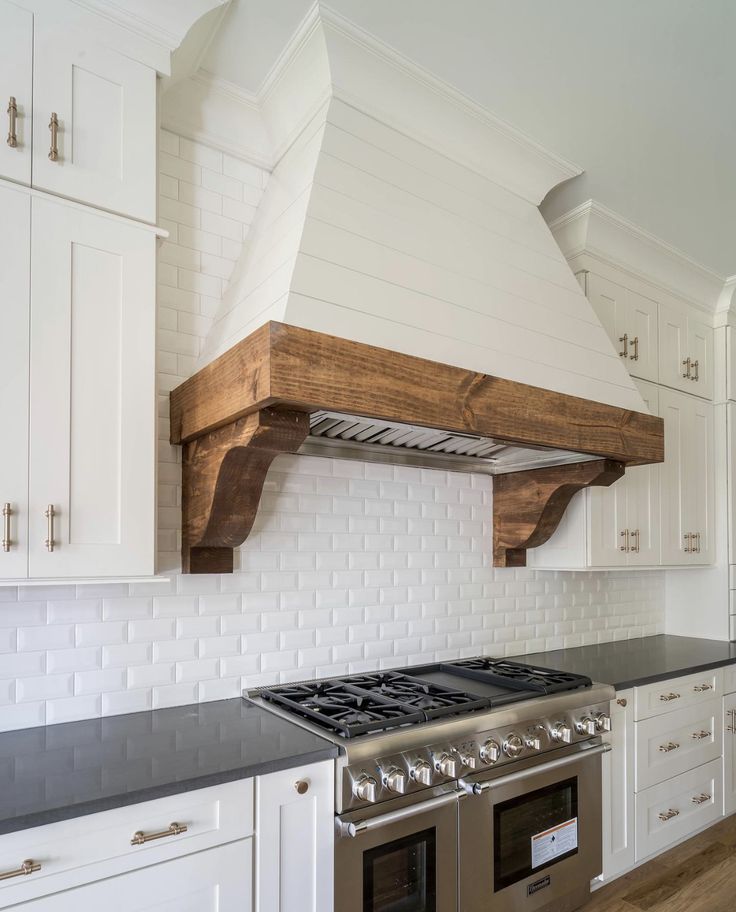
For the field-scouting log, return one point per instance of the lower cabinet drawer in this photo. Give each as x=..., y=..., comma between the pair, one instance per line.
x=674, y=809
x=677, y=693
x=675, y=742
x=85, y=849
x=216, y=880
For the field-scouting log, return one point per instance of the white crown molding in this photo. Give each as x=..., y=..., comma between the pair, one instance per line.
x=329, y=56
x=726, y=307
x=597, y=231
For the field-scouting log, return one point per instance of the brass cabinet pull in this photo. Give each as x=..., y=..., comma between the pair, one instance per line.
x=29, y=866
x=622, y=701
x=50, y=514
x=698, y=736
x=625, y=339
x=696, y=368
x=701, y=798
x=635, y=343
x=696, y=536
x=175, y=829
x=688, y=536
x=54, y=127
x=731, y=713
x=301, y=786
x=7, y=513
x=669, y=746
x=635, y=536
x=668, y=815
x=699, y=688
x=12, y=115
x=665, y=698
x=687, y=364
x=625, y=536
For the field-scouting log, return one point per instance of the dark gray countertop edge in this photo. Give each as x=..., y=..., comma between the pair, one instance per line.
x=667, y=675
x=165, y=790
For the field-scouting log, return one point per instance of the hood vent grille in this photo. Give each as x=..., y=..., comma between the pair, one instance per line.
x=352, y=437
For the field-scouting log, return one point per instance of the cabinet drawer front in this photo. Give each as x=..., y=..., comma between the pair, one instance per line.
x=676, y=693
x=672, y=810
x=729, y=679
x=84, y=849
x=218, y=880
x=675, y=742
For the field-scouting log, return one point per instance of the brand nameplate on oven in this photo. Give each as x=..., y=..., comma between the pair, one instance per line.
x=538, y=885
x=558, y=840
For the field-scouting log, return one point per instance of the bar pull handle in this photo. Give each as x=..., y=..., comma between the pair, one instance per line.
x=700, y=799
x=687, y=364
x=700, y=688
x=50, y=514
x=635, y=343
x=731, y=727
x=696, y=368
x=29, y=866
x=700, y=735
x=668, y=815
x=624, y=353
x=697, y=543
x=688, y=536
x=141, y=838
x=12, y=117
x=669, y=746
x=625, y=535
x=666, y=698
x=635, y=536
x=54, y=127
x=7, y=513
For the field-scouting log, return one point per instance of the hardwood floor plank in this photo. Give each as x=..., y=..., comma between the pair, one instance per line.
x=664, y=886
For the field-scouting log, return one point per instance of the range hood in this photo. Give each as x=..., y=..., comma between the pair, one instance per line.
x=400, y=298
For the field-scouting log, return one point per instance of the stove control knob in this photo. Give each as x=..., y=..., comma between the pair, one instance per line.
x=395, y=780
x=490, y=752
x=421, y=772
x=448, y=765
x=365, y=788
x=603, y=722
x=513, y=746
x=586, y=726
x=469, y=760
x=561, y=732
x=533, y=743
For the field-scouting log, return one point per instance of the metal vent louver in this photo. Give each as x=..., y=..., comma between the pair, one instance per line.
x=352, y=437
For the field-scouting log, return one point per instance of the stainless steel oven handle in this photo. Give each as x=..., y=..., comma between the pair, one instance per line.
x=362, y=826
x=482, y=788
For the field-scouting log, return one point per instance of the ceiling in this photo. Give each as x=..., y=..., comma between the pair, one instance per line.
x=639, y=93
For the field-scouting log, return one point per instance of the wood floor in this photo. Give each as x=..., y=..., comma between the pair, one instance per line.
x=697, y=876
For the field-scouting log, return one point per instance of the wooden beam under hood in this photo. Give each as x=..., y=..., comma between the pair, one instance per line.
x=286, y=368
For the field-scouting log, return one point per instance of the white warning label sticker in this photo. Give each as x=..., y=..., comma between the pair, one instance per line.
x=558, y=840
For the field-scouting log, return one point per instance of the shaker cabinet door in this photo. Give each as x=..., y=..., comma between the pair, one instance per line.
x=641, y=484
x=618, y=789
x=92, y=394
x=94, y=128
x=15, y=234
x=16, y=105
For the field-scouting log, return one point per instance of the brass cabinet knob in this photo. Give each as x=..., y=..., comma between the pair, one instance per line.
x=301, y=786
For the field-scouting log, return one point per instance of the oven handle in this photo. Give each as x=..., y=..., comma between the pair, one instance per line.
x=362, y=826
x=482, y=788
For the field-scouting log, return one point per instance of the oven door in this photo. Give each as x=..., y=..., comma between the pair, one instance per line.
x=403, y=860
x=532, y=839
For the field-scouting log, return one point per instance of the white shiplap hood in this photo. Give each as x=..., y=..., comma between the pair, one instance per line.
x=401, y=215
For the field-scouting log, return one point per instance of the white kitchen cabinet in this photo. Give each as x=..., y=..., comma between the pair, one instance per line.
x=630, y=319
x=685, y=352
x=105, y=105
x=92, y=397
x=617, y=526
x=686, y=496
x=15, y=227
x=294, y=844
x=16, y=102
x=618, y=789
x=217, y=880
x=729, y=753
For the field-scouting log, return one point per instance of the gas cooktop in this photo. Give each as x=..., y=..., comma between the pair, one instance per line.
x=373, y=702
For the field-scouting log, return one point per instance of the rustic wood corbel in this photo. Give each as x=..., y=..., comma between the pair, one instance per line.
x=223, y=473
x=528, y=506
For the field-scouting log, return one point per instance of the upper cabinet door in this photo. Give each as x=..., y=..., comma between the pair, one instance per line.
x=641, y=332
x=16, y=106
x=641, y=484
x=685, y=352
x=92, y=394
x=700, y=472
x=94, y=127
x=15, y=248
x=674, y=409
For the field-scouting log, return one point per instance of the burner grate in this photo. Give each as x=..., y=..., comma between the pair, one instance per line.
x=516, y=675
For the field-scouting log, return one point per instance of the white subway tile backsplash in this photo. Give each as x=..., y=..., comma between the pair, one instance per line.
x=350, y=567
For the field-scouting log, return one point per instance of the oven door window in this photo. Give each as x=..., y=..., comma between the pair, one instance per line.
x=533, y=831
x=400, y=876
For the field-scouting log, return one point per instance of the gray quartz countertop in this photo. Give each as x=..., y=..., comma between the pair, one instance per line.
x=61, y=771
x=628, y=663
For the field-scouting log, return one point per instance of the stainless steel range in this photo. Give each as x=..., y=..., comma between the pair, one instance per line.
x=472, y=785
